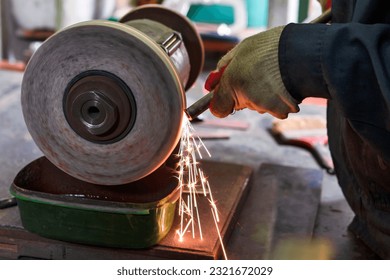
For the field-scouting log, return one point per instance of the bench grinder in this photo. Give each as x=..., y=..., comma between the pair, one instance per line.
x=105, y=101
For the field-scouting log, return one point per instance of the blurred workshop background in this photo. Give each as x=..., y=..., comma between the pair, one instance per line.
x=221, y=23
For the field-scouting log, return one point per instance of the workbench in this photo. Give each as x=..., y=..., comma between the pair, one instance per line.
x=288, y=197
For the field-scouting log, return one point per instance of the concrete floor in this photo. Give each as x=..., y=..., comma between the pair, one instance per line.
x=333, y=219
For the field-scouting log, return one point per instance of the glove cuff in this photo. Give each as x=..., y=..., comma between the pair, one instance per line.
x=271, y=63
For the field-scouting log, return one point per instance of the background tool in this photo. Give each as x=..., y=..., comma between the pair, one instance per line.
x=7, y=202
x=308, y=132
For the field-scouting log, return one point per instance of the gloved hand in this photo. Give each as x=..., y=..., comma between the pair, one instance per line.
x=252, y=79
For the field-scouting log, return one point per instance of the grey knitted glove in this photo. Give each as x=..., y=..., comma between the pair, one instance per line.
x=252, y=78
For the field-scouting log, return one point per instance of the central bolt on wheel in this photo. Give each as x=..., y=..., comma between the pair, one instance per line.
x=99, y=107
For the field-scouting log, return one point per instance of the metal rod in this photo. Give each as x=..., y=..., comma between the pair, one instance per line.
x=199, y=106
x=203, y=103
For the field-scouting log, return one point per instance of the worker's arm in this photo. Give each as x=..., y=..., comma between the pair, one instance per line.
x=349, y=63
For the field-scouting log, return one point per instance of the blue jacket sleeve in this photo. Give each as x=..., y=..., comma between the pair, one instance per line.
x=348, y=63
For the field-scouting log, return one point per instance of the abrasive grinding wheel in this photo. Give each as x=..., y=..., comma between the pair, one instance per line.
x=103, y=102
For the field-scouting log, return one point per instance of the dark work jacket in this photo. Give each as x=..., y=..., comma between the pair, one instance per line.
x=348, y=62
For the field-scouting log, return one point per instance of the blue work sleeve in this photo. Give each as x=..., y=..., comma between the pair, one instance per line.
x=348, y=63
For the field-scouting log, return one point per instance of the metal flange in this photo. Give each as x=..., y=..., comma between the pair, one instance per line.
x=191, y=38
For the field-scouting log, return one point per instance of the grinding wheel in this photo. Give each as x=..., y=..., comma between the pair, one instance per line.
x=103, y=102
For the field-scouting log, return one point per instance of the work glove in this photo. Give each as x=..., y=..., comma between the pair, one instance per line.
x=251, y=79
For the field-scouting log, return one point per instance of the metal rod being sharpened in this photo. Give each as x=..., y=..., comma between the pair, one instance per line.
x=199, y=106
x=203, y=103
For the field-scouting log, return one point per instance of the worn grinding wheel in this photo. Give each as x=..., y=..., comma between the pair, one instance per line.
x=103, y=102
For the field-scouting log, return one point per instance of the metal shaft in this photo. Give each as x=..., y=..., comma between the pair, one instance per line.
x=199, y=106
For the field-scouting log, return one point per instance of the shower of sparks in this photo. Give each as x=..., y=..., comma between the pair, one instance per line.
x=192, y=183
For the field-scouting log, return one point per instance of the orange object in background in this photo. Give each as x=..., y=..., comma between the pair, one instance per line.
x=17, y=66
x=145, y=2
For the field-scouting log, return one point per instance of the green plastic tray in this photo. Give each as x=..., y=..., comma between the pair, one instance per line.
x=57, y=206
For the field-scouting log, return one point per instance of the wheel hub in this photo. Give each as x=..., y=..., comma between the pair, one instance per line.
x=99, y=107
